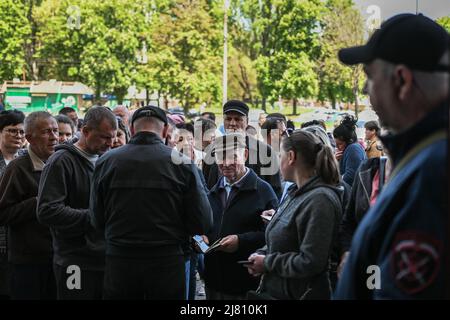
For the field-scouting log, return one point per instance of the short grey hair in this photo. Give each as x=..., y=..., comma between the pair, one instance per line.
x=33, y=118
x=434, y=85
x=140, y=123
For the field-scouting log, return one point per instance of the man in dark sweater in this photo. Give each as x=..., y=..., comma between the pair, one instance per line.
x=63, y=205
x=30, y=246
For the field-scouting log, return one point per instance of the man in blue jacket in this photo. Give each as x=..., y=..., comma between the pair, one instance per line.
x=400, y=250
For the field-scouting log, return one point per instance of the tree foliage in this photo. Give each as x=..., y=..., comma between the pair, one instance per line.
x=14, y=35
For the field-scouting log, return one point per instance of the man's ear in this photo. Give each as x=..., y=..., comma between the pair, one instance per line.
x=292, y=157
x=165, y=130
x=245, y=154
x=85, y=130
x=132, y=130
x=404, y=81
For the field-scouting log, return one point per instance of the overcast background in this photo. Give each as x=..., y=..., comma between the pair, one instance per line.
x=432, y=8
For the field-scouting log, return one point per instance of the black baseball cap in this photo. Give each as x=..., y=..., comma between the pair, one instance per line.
x=149, y=111
x=413, y=40
x=236, y=106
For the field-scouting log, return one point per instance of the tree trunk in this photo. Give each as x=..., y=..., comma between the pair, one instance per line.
x=31, y=47
x=294, y=109
x=97, y=97
x=263, y=104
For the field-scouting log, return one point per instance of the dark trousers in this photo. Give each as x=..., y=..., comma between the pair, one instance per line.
x=159, y=278
x=5, y=277
x=192, y=278
x=32, y=282
x=91, y=284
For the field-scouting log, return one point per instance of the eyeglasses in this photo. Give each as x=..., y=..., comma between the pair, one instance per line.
x=15, y=132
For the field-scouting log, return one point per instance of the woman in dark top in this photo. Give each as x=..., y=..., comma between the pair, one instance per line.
x=349, y=153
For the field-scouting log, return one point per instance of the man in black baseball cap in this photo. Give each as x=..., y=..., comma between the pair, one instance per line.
x=404, y=236
x=148, y=204
x=149, y=111
x=235, y=116
x=413, y=40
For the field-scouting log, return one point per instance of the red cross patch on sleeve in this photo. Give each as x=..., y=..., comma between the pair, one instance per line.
x=415, y=261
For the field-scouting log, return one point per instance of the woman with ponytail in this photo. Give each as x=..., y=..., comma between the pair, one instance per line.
x=349, y=153
x=294, y=263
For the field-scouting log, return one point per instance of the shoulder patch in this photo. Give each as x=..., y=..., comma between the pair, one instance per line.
x=415, y=260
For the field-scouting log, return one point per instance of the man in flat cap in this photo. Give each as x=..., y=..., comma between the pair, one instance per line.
x=147, y=206
x=261, y=157
x=237, y=200
x=400, y=249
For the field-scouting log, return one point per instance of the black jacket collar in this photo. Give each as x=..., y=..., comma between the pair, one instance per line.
x=399, y=144
x=145, y=137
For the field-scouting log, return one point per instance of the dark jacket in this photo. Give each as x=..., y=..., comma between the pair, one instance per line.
x=405, y=233
x=299, y=242
x=256, y=149
x=353, y=155
x=29, y=241
x=3, y=233
x=241, y=217
x=63, y=205
x=146, y=204
x=359, y=202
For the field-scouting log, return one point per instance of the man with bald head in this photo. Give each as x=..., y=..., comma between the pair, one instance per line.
x=123, y=113
x=147, y=206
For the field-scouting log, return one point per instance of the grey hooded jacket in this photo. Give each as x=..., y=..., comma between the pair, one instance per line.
x=299, y=239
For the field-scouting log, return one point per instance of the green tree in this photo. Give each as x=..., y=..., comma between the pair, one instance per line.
x=187, y=51
x=14, y=32
x=281, y=36
x=242, y=82
x=95, y=42
x=342, y=26
x=445, y=22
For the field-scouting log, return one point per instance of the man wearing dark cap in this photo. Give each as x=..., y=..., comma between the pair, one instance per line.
x=147, y=206
x=261, y=159
x=400, y=250
x=237, y=200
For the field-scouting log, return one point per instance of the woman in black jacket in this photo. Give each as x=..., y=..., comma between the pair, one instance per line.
x=295, y=261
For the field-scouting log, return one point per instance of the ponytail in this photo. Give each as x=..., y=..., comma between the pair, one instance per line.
x=313, y=154
x=327, y=167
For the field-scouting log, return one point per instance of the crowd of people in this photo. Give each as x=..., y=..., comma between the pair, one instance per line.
x=132, y=205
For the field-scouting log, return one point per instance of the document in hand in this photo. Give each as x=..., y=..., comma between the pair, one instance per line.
x=203, y=246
